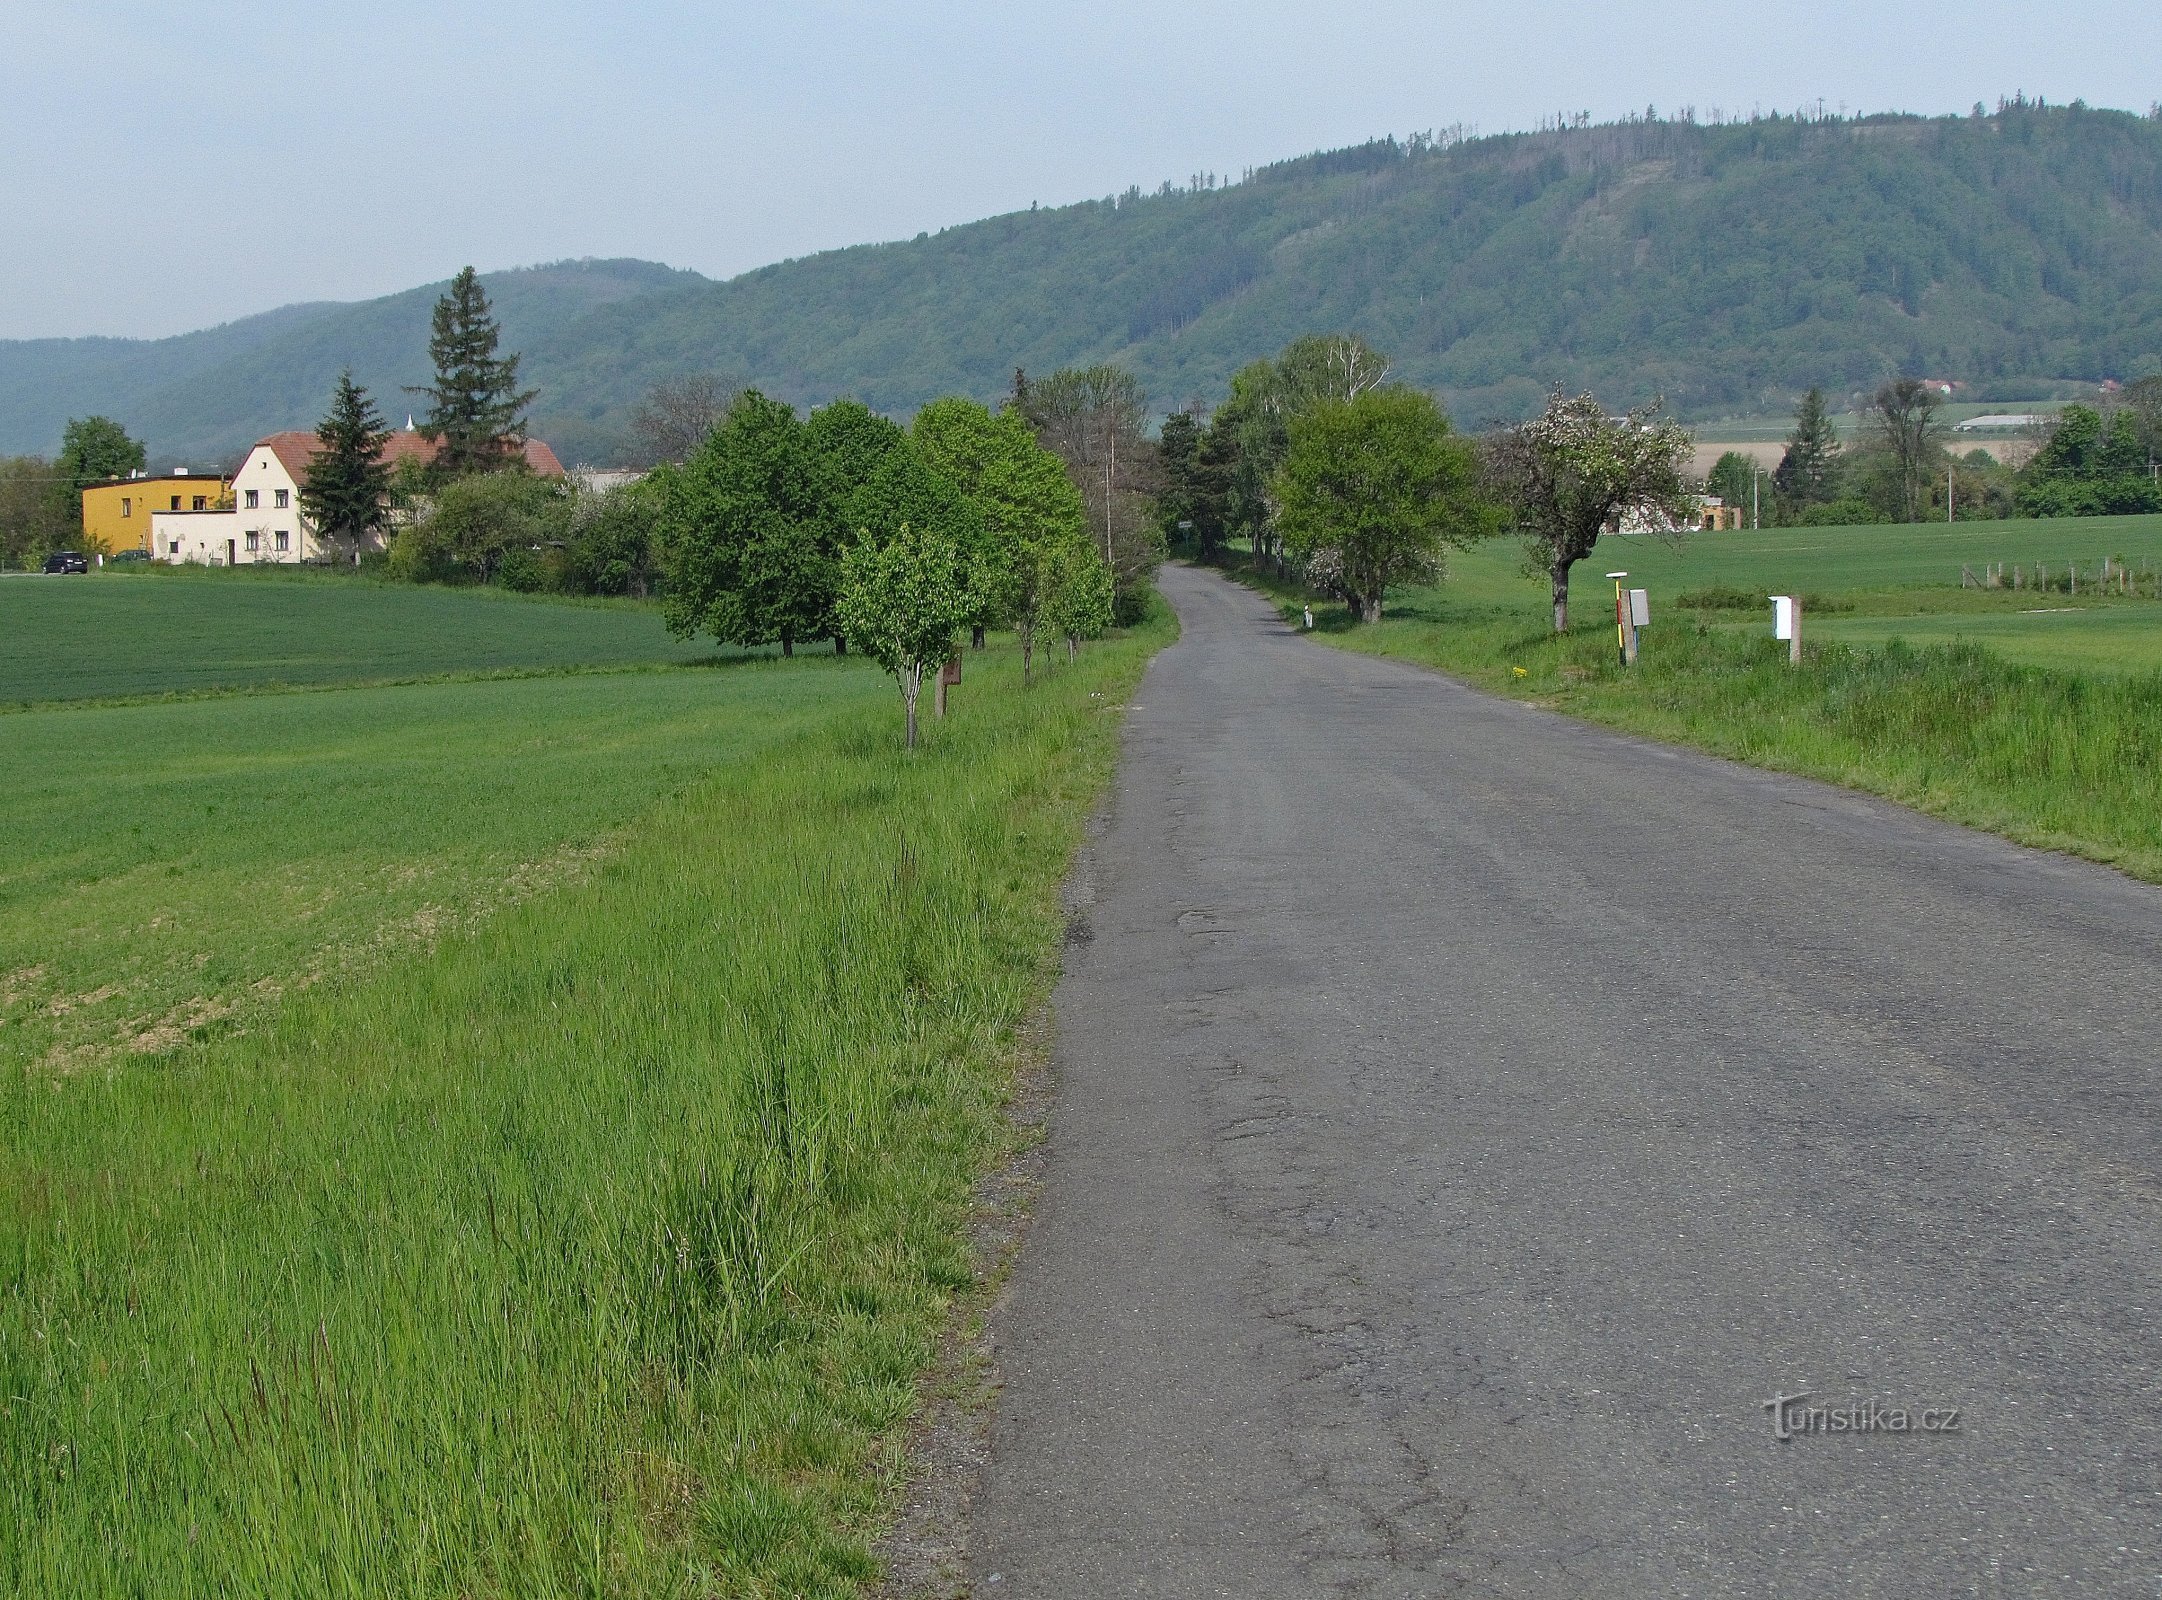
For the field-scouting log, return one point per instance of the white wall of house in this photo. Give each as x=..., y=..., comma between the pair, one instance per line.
x=222, y=538
x=266, y=501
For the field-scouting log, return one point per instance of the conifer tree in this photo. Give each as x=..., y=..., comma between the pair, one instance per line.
x=1805, y=472
x=347, y=494
x=477, y=411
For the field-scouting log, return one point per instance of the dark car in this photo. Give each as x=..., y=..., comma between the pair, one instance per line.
x=66, y=561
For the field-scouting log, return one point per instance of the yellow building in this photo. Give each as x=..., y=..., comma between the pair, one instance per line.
x=116, y=515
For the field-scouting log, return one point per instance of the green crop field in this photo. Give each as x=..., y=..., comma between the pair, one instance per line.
x=1886, y=583
x=510, y=1135
x=151, y=633
x=1782, y=560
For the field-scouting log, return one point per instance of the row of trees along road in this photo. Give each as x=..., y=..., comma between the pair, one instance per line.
x=1328, y=469
x=846, y=526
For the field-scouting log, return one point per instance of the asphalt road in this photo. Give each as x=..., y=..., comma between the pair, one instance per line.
x=1467, y=1119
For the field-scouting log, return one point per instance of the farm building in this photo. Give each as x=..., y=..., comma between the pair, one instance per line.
x=261, y=519
x=116, y=515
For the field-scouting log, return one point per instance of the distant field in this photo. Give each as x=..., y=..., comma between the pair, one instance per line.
x=1778, y=559
x=136, y=634
x=2124, y=637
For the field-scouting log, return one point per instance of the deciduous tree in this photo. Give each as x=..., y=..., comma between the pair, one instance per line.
x=93, y=450
x=1904, y=426
x=1080, y=593
x=1375, y=487
x=1096, y=420
x=347, y=493
x=1573, y=472
x=1027, y=504
x=904, y=600
x=476, y=414
x=677, y=416
x=743, y=528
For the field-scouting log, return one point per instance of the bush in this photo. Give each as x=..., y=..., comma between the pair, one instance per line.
x=611, y=544
x=475, y=524
x=1840, y=514
x=417, y=556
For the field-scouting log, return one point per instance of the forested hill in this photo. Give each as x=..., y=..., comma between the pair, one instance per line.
x=1727, y=267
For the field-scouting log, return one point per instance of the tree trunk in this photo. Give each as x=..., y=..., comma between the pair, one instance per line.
x=911, y=686
x=1370, y=608
x=840, y=644
x=975, y=637
x=1073, y=649
x=1028, y=650
x=788, y=645
x=1561, y=596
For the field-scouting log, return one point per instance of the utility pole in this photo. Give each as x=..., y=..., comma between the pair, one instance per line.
x=1755, y=521
x=1951, y=491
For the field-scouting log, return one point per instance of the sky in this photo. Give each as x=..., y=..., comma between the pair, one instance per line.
x=166, y=166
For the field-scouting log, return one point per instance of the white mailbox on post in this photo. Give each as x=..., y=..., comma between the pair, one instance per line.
x=1782, y=616
x=1640, y=608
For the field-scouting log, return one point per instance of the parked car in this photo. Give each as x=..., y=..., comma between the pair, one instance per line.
x=66, y=561
x=128, y=558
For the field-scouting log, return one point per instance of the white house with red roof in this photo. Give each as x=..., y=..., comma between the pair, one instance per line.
x=264, y=521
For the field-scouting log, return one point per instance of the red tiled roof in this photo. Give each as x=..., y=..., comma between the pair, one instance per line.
x=295, y=450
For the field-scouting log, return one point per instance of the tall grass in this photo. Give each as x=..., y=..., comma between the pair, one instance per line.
x=594, y=1253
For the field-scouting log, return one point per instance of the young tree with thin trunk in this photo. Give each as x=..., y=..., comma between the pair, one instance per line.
x=476, y=416
x=1380, y=485
x=1573, y=473
x=904, y=600
x=1081, y=593
x=347, y=495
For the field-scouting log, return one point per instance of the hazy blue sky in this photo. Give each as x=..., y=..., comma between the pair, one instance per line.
x=173, y=164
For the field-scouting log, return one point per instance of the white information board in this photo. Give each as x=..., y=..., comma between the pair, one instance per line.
x=1782, y=616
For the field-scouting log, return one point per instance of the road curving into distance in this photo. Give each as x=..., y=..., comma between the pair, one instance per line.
x=1468, y=1119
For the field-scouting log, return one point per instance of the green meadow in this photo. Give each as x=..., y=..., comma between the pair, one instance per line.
x=163, y=631
x=2035, y=714
x=505, y=1135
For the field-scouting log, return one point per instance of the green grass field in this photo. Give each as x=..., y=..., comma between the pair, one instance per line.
x=151, y=633
x=505, y=1136
x=1890, y=582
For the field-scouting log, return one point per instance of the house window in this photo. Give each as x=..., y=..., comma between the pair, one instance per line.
x=127, y=506
x=255, y=542
x=254, y=498
x=198, y=503
x=285, y=498
x=176, y=502
x=285, y=537
x=172, y=547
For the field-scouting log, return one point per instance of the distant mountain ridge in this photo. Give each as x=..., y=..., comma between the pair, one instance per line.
x=1725, y=267
x=201, y=398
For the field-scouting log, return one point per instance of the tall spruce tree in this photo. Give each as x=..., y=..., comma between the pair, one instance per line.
x=477, y=411
x=347, y=495
x=1807, y=472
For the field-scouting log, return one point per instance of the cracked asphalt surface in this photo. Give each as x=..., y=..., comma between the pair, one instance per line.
x=1468, y=1118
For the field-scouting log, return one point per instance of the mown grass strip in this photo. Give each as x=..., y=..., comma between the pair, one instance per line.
x=594, y=1253
x=2063, y=760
